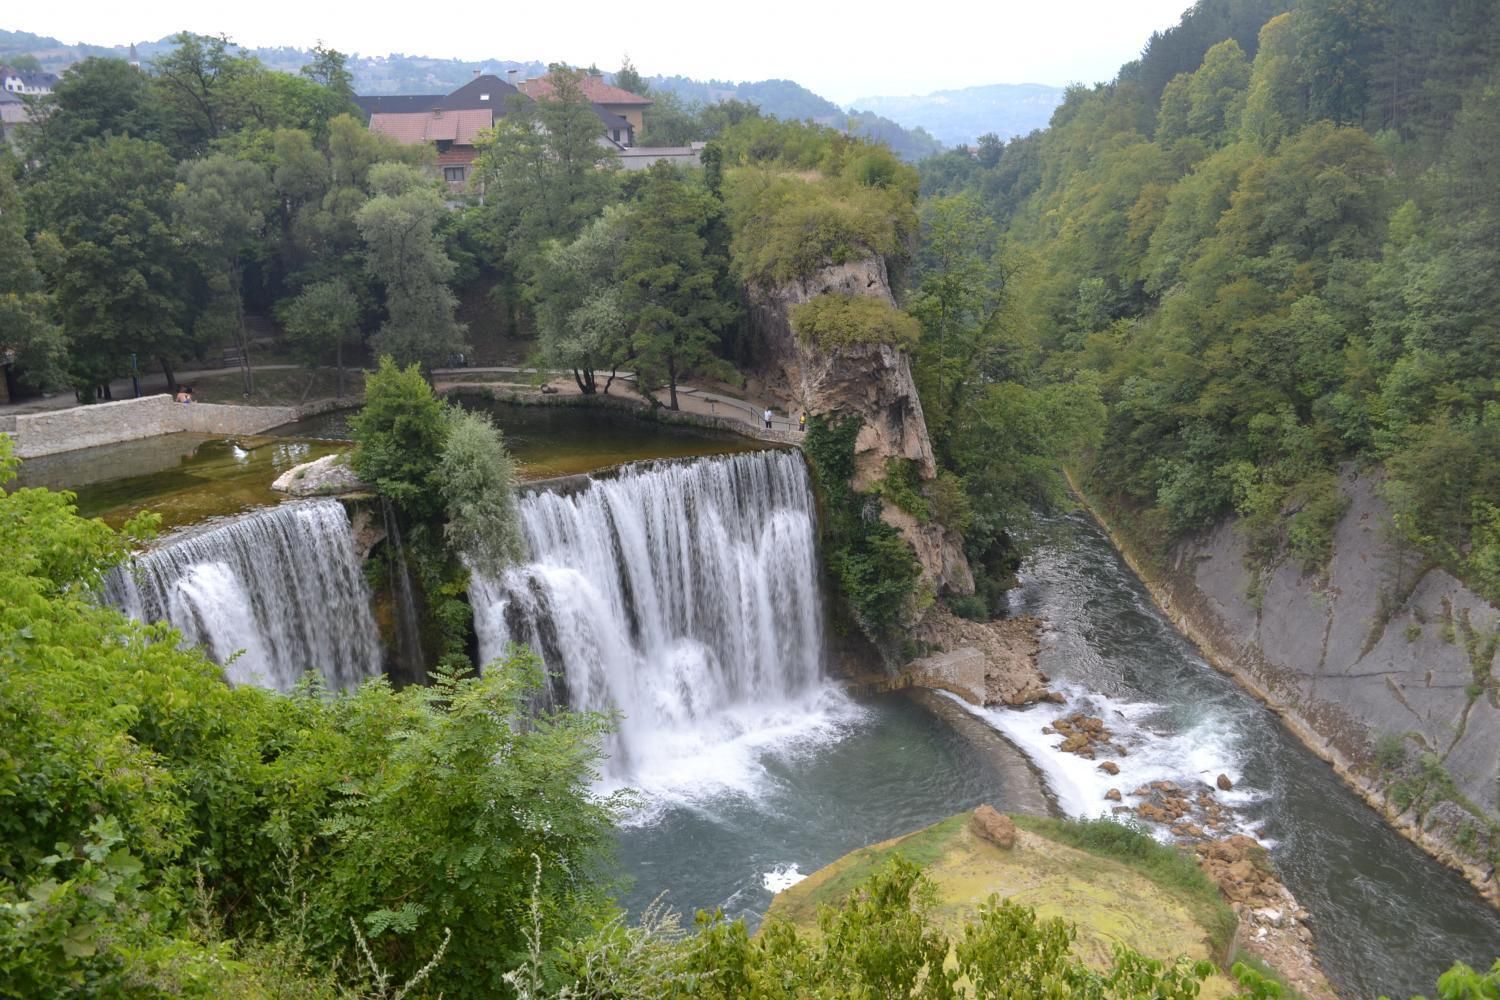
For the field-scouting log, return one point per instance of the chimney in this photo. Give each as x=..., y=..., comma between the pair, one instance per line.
x=476, y=74
x=510, y=78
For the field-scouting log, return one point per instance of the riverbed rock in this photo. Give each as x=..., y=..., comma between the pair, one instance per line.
x=323, y=477
x=993, y=826
x=1113, y=795
x=1110, y=767
x=1224, y=783
x=984, y=663
x=869, y=382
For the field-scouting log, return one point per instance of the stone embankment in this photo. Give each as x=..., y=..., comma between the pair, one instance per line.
x=1378, y=649
x=52, y=432
x=984, y=663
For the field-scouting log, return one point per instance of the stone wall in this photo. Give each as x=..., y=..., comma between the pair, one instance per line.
x=78, y=427
x=1381, y=644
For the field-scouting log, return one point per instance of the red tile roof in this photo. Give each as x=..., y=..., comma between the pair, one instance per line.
x=593, y=87
x=413, y=128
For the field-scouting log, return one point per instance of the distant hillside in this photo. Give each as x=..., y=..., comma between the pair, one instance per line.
x=405, y=74
x=959, y=117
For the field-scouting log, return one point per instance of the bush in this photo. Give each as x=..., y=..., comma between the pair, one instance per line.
x=130, y=771
x=399, y=436
x=477, y=481
x=833, y=320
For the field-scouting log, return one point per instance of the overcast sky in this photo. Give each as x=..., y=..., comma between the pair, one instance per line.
x=841, y=50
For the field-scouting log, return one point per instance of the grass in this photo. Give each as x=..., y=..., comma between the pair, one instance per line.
x=1166, y=866
x=922, y=848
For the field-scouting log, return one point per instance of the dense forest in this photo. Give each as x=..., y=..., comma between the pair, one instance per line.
x=1271, y=245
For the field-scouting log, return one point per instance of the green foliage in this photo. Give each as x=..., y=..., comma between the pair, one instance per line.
x=833, y=320
x=164, y=832
x=404, y=254
x=871, y=564
x=399, y=437
x=477, y=480
x=581, y=318
x=669, y=281
x=788, y=227
x=324, y=315
x=903, y=489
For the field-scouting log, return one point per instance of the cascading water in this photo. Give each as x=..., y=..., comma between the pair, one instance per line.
x=282, y=587
x=684, y=596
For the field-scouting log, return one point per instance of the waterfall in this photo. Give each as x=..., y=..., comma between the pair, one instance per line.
x=682, y=595
x=280, y=587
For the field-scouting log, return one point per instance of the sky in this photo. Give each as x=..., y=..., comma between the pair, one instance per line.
x=840, y=50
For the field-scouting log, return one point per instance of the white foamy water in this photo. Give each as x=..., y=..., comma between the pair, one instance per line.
x=271, y=595
x=1193, y=756
x=684, y=597
x=781, y=878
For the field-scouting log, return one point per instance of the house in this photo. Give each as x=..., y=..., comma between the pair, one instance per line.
x=449, y=121
x=610, y=98
x=642, y=157
x=24, y=82
x=452, y=121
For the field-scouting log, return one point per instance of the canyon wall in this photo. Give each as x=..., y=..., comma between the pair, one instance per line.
x=1380, y=651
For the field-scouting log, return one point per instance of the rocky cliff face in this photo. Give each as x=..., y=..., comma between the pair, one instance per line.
x=871, y=382
x=1379, y=647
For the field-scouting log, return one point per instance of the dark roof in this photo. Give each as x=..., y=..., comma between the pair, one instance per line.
x=30, y=78
x=469, y=97
x=610, y=119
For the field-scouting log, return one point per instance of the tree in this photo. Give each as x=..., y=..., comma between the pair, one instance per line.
x=670, y=282
x=323, y=315
x=581, y=320
x=405, y=254
x=399, y=436
x=114, y=264
x=329, y=68
x=196, y=85
x=30, y=341
x=628, y=78
x=222, y=208
x=94, y=99
x=477, y=480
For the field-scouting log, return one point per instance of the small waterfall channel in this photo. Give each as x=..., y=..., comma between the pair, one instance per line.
x=684, y=596
x=281, y=587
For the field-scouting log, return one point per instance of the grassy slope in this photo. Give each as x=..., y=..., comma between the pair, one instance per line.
x=1114, y=893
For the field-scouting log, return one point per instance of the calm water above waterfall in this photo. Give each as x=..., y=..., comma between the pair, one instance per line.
x=281, y=587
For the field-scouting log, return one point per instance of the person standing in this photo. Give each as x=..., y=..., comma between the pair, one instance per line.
x=802, y=422
x=767, y=417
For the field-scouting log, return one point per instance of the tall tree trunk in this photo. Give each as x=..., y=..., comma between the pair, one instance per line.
x=672, y=384
x=166, y=369
x=338, y=360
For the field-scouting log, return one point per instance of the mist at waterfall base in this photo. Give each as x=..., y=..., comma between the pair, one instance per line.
x=1385, y=917
x=685, y=597
x=281, y=587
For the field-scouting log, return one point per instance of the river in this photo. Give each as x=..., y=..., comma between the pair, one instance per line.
x=1387, y=918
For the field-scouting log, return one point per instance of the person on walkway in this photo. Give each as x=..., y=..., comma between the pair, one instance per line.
x=767, y=417
x=802, y=422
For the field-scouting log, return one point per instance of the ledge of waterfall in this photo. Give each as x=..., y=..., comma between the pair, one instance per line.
x=328, y=476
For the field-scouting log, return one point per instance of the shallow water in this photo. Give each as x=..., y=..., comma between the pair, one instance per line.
x=561, y=440
x=1387, y=918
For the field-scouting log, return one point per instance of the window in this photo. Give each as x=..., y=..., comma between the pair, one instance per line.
x=617, y=135
x=484, y=97
x=453, y=175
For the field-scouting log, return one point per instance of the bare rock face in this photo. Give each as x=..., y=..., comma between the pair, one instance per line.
x=871, y=382
x=984, y=663
x=990, y=825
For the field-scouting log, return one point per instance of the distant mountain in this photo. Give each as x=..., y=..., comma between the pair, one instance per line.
x=790, y=100
x=959, y=117
x=404, y=74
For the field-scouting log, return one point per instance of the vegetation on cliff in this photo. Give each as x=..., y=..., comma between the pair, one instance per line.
x=1270, y=243
x=832, y=320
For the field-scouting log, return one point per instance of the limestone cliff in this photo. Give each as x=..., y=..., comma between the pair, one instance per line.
x=871, y=382
x=1379, y=648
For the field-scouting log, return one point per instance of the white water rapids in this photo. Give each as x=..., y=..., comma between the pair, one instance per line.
x=684, y=596
x=280, y=587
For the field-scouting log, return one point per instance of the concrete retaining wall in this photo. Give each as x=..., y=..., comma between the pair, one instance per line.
x=78, y=427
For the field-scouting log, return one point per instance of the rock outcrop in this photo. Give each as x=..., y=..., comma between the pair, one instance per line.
x=871, y=382
x=324, y=477
x=1377, y=648
x=984, y=663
